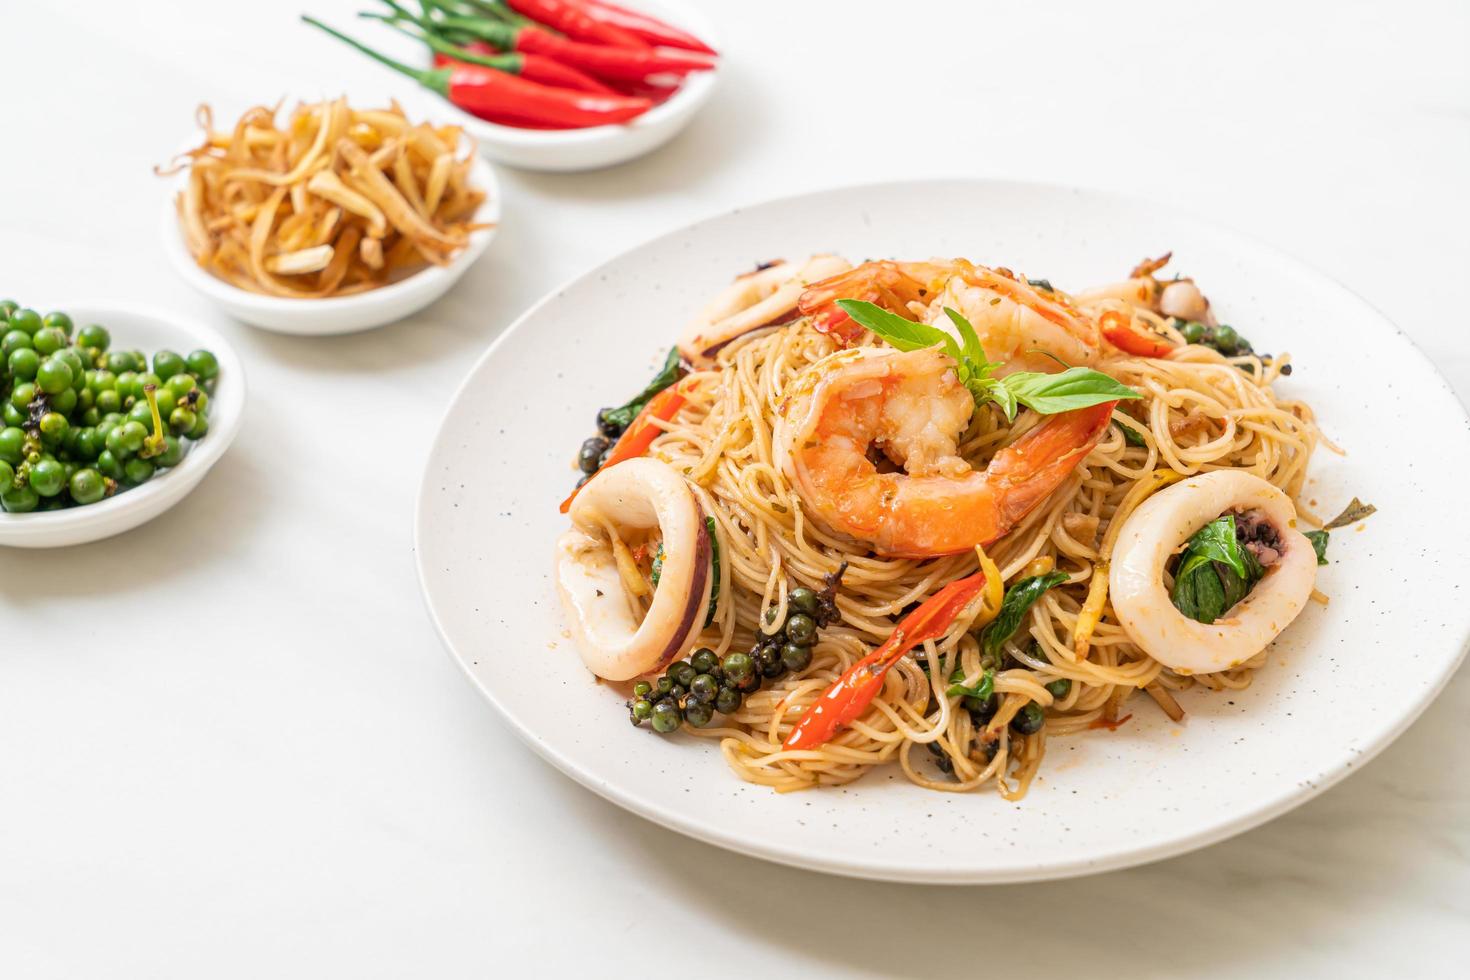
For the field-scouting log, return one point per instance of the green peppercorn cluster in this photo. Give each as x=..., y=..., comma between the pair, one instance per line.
x=1223, y=338
x=694, y=690
x=79, y=419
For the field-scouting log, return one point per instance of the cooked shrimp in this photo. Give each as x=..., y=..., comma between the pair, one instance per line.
x=1156, y=531
x=1023, y=327
x=912, y=407
x=600, y=590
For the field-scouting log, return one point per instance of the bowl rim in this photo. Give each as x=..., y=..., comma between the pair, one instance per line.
x=687, y=99
x=200, y=458
x=231, y=295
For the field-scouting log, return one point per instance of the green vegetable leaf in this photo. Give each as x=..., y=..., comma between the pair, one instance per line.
x=1351, y=514
x=1130, y=435
x=1319, y=544
x=1019, y=599
x=1198, y=592
x=623, y=415
x=658, y=565
x=981, y=689
x=1217, y=541
x=1048, y=394
x=714, y=569
x=1076, y=387
x=899, y=331
x=970, y=343
x=1214, y=572
x=995, y=390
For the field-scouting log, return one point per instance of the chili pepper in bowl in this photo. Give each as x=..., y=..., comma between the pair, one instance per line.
x=496, y=95
x=531, y=67
x=641, y=25
x=575, y=23
x=605, y=62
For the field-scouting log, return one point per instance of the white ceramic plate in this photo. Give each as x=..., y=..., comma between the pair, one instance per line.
x=134, y=328
x=334, y=314
x=568, y=150
x=487, y=516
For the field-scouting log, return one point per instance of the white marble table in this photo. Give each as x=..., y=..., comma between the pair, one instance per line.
x=229, y=742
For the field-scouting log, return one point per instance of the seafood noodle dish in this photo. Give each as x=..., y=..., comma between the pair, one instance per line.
x=932, y=515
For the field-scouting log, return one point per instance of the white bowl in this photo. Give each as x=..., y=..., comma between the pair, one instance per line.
x=137, y=328
x=568, y=150
x=335, y=314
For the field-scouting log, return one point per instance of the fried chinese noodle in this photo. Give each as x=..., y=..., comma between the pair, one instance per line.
x=339, y=201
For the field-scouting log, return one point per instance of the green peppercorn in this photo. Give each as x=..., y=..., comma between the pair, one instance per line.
x=1028, y=720
x=640, y=711
x=1060, y=687
x=643, y=689
x=801, y=628
x=699, y=713
x=727, y=702
x=704, y=660
x=803, y=600
x=683, y=673
x=666, y=717
x=738, y=667
x=703, y=688
x=796, y=657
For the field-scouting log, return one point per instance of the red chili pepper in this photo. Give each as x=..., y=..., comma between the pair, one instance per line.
x=606, y=62
x=489, y=92
x=1119, y=330
x=851, y=693
x=650, y=29
x=531, y=67
x=641, y=433
x=574, y=22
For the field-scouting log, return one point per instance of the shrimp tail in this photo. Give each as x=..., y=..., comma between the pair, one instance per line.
x=1026, y=472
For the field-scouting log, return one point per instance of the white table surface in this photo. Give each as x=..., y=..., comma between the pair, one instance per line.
x=230, y=744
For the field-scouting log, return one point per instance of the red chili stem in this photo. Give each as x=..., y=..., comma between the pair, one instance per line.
x=531, y=67
x=572, y=21
x=605, y=62
x=650, y=29
x=482, y=90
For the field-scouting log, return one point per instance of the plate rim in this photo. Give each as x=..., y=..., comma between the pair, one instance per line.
x=1302, y=791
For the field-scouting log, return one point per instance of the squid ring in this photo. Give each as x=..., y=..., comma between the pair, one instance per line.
x=640, y=493
x=1157, y=530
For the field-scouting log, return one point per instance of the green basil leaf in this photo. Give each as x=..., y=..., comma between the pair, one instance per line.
x=1019, y=598
x=714, y=569
x=969, y=341
x=1076, y=387
x=1130, y=435
x=1198, y=592
x=1214, y=572
x=1319, y=544
x=981, y=689
x=991, y=389
x=623, y=415
x=1217, y=542
x=899, y=331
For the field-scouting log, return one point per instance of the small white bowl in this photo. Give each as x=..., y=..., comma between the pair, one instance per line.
x=335, y=314
x=569, y=150
x=135, y=328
